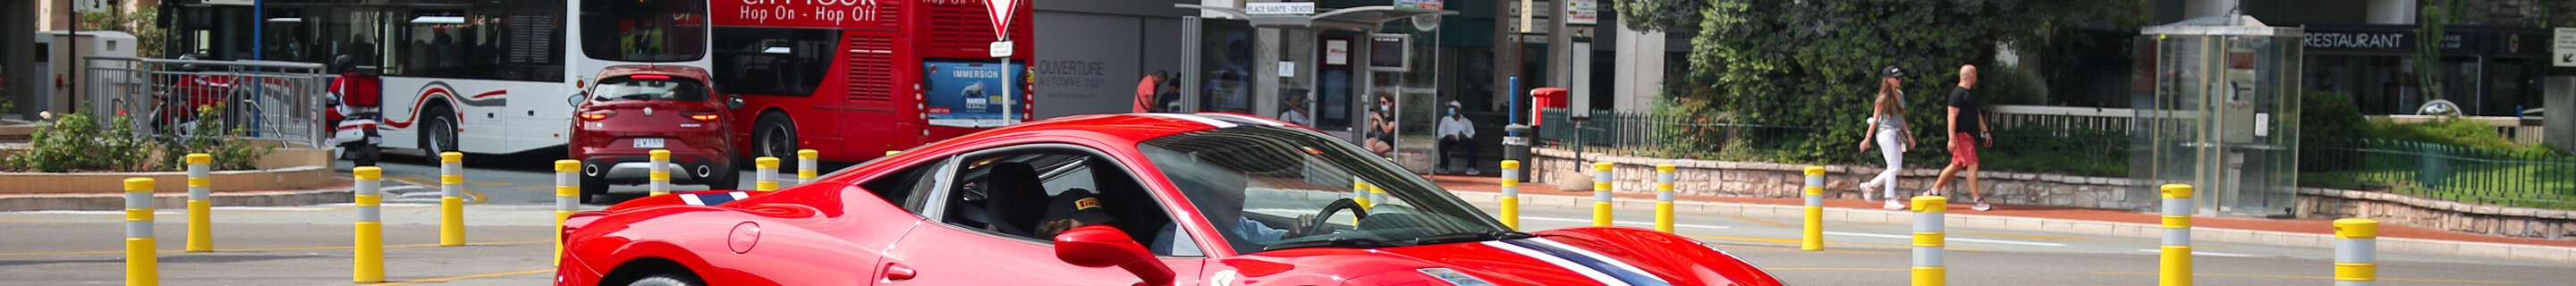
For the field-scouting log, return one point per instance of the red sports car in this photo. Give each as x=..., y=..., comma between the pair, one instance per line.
x=1167, y=199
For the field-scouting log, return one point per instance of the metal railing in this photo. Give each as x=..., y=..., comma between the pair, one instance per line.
x=267, y=100
x=2538, y=179
x=2060, y=117
x=1651, y=134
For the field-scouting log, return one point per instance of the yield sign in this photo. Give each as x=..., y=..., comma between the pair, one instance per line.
x=1000, y=12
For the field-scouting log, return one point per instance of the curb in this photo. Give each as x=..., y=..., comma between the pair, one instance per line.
x=108, y=202
x=2541, y=253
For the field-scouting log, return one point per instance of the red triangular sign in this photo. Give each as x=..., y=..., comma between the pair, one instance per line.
x=1000, y=12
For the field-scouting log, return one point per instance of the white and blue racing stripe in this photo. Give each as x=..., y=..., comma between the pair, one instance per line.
x=1609, y=271
x=709, y=199
x=1240, y=119
x=1200, y=120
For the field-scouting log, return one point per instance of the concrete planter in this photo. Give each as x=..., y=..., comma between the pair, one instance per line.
x=284, y=169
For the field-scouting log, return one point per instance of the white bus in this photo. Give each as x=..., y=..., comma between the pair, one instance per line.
x=486, y=77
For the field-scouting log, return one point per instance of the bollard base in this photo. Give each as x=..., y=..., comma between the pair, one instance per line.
x=1664, y=217
x=2175, y=264
x=142, y=262
x=451, y=221
x=1931, y=275
x=1600, y=213
x=369, y=261
x=1511, y=213
x=200, y=228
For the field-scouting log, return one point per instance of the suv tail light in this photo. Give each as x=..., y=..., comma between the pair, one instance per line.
x=597, y=115
x=705, y=116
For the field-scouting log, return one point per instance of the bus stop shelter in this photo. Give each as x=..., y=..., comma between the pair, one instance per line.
x=1331, y=65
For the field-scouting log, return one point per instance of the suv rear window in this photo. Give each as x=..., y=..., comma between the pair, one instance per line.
x=649, y=87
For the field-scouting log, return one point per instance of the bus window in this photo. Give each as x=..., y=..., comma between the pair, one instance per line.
x=645, y=30
x=640, y=88
x=773, y=61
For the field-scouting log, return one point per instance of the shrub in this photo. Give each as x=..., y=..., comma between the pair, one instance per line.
x=2005, y=84
x=76, y=143
x=213, y=137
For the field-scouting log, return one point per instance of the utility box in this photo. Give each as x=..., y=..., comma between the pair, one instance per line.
x=1544, y=98
x=2559, y=94
x=2217, y=107
x=61, y=66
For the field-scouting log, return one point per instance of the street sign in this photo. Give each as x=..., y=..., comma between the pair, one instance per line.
x=1000, y=11
x=2565, y=50
x=1582, y=12
x=1279, y=8
x=1000, y=49
x=89, y=6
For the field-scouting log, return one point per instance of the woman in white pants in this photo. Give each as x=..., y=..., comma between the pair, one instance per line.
x=1887, y=125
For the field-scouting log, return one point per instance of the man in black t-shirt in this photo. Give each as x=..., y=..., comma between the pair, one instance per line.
x=1967, y=129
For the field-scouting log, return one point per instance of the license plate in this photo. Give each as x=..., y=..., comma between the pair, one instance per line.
x=648, y=143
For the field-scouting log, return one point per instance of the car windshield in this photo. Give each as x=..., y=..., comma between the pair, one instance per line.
x=649, y=87
x=1269, y=188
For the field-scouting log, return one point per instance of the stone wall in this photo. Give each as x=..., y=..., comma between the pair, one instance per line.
x=1770, y=180
x=2439, y=214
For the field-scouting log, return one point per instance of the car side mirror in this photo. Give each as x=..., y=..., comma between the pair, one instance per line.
x=575, y=99
x=1103, y=246
x=733, y=102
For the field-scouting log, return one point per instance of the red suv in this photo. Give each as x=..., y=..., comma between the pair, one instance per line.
x=632, y=110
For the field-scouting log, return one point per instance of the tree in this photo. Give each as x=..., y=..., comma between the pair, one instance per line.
x=1812, y=63
x=137, y=22
x=2429, y=38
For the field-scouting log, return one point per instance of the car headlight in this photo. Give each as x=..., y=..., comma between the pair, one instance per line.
x=1454, y=277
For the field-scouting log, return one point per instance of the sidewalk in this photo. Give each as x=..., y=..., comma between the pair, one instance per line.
x=2284, y=232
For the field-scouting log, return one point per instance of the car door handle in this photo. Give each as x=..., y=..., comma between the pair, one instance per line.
x=898, y=272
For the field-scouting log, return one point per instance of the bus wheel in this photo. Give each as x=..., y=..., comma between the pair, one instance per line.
x=775, y=136
x=438, y=132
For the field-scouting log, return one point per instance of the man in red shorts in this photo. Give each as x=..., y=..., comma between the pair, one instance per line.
x=1967, y=130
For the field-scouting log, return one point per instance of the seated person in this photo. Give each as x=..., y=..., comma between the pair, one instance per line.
x=1223, y=208
x=1071, y=209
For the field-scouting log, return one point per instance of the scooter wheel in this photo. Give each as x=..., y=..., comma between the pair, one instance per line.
x=364, y=155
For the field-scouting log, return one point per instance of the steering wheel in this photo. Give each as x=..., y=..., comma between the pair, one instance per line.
x=1317, y=226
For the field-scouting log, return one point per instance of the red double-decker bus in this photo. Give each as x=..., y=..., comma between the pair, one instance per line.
x=856, y=78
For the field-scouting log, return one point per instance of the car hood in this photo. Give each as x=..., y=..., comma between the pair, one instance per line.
x=1580, y=256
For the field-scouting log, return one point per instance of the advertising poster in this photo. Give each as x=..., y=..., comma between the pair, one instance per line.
x=968, y=94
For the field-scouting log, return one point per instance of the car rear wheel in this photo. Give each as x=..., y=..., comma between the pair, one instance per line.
x=725, y=179
x=437, y=132
x=668, y=280
x=775, y=136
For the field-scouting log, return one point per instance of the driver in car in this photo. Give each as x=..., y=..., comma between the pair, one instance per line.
x=1223, y=208
x=1071, y=209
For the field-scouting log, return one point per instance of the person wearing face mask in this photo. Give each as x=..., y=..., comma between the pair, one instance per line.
x=1381, y=127
x=1457, y=134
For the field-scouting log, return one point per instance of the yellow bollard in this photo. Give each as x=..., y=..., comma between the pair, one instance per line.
x=1664, y=197
x=1929, y=241
x=2356, y=252
x=142, y=261
x=765, y=174
x=1601, y=194
x=1511, y=199
x=567, y=199
x=451, y=199
x=1813, y=237
x=892, y=152
x=2174, y=263
x=1360, y=192
x=805, y=164
x=369, y=264
x=201, y=237
x=1375, y=195
x=660, y=177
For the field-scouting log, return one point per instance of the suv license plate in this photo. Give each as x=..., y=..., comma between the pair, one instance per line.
x=648, y=143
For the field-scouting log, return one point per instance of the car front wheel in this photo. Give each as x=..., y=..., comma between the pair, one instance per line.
x=668, y=280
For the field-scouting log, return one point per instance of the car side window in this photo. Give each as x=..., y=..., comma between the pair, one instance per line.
x=909, y=188
x=1016, y=194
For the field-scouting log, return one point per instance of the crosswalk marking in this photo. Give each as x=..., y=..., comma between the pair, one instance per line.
x=1625, y=222
x=1976, y=240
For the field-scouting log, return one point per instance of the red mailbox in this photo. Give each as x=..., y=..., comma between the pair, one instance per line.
x=1544, y=98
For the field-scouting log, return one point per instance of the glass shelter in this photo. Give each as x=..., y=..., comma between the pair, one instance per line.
x=2217, y=107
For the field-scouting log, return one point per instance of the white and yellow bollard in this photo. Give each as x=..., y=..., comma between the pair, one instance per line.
x=764, y=174
x=1929, y=241
x=1601, y=194
x=1812, y=238
x=2174, y=263
x=369, y=260
x=2356, y=252
x=805, y=164
x=1664, y=197
x=660, y=178
x=1360, y=192
x=201, y=236
x=1511, y=199
x=567, y=199
x=451, y=199
x=142, y=261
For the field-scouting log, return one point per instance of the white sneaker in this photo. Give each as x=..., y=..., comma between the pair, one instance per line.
x=1892, y=205
x=1982, y=206
x=1472, y=172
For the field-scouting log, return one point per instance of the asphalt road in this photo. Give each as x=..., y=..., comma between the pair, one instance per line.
x=509, y=223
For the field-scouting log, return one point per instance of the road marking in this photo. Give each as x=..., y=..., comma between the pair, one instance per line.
x=471, y=197
x=2202, y=253
x=454, y=278
x=258, y=249
x=1758, y=221
x=1633, y=223
x=1830, y=269
x=1994, y=241
x=2321, y=277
